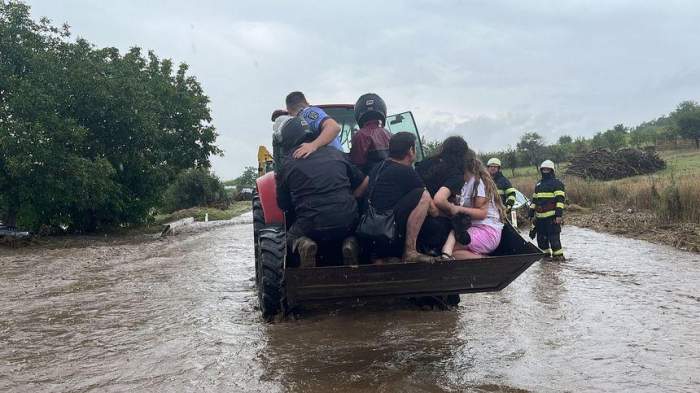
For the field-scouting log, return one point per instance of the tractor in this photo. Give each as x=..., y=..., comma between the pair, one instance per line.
x=282, y=284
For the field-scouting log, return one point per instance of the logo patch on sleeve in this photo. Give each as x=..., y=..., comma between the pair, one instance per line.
x=312, y=115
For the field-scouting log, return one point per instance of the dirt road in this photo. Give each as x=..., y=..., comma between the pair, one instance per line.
x=179, y=315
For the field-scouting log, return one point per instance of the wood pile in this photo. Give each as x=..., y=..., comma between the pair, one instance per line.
x=603, y=164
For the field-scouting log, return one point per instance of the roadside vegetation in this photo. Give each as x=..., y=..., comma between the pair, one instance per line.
x=92, y=138
x=235, y=209
x=662, y=207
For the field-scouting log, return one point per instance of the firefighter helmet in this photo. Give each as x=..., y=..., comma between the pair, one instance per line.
x=493, y=161
x=547, y=164
x=369, y=107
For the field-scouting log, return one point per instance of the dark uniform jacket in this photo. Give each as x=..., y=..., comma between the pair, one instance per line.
x=548, y=199
x=318, y=189
x=505, y=189
x=370, y=146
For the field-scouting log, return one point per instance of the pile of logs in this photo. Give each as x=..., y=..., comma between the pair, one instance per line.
x=603, y=164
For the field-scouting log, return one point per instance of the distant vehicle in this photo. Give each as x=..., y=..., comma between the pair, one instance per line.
x=282, y=284
x=11, y=233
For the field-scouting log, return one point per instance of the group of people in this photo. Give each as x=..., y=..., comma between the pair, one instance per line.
x=450, y=206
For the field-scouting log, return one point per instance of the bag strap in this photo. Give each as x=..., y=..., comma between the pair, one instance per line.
x=374, y=183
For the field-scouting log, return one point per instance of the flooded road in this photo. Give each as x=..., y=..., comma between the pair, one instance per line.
x=179, y=315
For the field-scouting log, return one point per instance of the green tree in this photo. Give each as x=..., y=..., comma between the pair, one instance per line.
x=91, y=138
x=194, y=187
x=687, y=120
x=247, y=178
x=509, y=159
x=531, y=145
x=565, y=140
x=430, y=146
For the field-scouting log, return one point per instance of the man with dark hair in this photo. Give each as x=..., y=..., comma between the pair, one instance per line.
x=370, y=144
x=395, y=185
x=321, y=191
x=325, y=130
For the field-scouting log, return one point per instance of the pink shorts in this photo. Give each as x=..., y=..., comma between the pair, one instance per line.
x=485, y=239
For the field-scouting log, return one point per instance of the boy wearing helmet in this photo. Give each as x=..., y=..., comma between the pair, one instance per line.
x=547, y=209
x=505, y=189
x=320, y=191
x=370, y=145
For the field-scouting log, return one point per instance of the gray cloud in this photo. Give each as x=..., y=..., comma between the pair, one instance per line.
x=487, y=70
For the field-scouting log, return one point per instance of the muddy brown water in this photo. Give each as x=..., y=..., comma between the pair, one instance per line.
x=179, y=315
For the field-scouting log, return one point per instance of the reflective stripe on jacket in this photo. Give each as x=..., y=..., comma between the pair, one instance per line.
x=505, y=189
x=549, y=199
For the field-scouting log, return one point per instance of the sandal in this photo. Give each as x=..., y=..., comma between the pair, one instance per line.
x=445, y=257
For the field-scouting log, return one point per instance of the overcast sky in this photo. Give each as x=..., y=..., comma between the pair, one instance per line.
x=486, y=70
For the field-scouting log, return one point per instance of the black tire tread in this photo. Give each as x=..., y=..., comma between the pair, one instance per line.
x=271, y=289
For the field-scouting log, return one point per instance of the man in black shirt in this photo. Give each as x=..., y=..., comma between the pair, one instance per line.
x=396, y=186
x=321, y=190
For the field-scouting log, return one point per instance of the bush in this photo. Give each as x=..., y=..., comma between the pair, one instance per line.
x=195, y=187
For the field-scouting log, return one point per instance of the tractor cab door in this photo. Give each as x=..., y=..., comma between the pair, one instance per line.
x=404, y=122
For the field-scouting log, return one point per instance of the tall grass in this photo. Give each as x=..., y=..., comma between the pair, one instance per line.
x=670, y=198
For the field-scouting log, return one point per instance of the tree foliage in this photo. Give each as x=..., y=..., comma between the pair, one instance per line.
x=687, y=121
x=194, y=187
x=89, y=137
x=247, y=178
x=531, y=144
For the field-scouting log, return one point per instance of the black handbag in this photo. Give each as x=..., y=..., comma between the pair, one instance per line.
x=378, y=226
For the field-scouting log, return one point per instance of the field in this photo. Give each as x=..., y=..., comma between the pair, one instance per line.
x=662, y=206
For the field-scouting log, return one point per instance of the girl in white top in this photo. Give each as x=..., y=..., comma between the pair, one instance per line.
x=480, y=200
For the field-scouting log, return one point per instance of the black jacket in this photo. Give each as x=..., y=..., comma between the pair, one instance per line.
x=548, y=199
x=318, y=189
x=505, y=189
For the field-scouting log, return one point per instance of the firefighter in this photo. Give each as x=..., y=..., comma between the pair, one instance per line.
x=547, y=209
x=370, y=145
x=505, y=189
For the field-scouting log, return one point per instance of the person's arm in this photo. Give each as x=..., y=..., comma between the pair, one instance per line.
x=510, y=194
x=361, y=189
x=284, y=197
x=442, y=202
x=358, y=180
x=329, y=131
x=433, y=210
x=479, y=211
x=560, y=199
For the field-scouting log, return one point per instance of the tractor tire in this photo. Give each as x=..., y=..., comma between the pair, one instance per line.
x=258, y=214
x=258, y=223
x=271, y=286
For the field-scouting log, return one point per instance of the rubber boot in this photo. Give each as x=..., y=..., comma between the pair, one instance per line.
x=351, y=251
x=307, y=249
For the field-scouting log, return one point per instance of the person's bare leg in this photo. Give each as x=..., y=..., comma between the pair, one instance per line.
x=465, y=254
x=449, y=244
x=413, y=225
x=415, y=221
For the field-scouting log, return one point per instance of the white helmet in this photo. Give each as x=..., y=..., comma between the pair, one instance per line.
x=494, y=161
x=547, y=164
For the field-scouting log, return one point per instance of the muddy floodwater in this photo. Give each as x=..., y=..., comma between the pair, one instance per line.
x=179, y=315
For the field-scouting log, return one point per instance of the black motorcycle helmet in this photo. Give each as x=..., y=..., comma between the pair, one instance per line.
x=369, y=107
x=293, y=133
